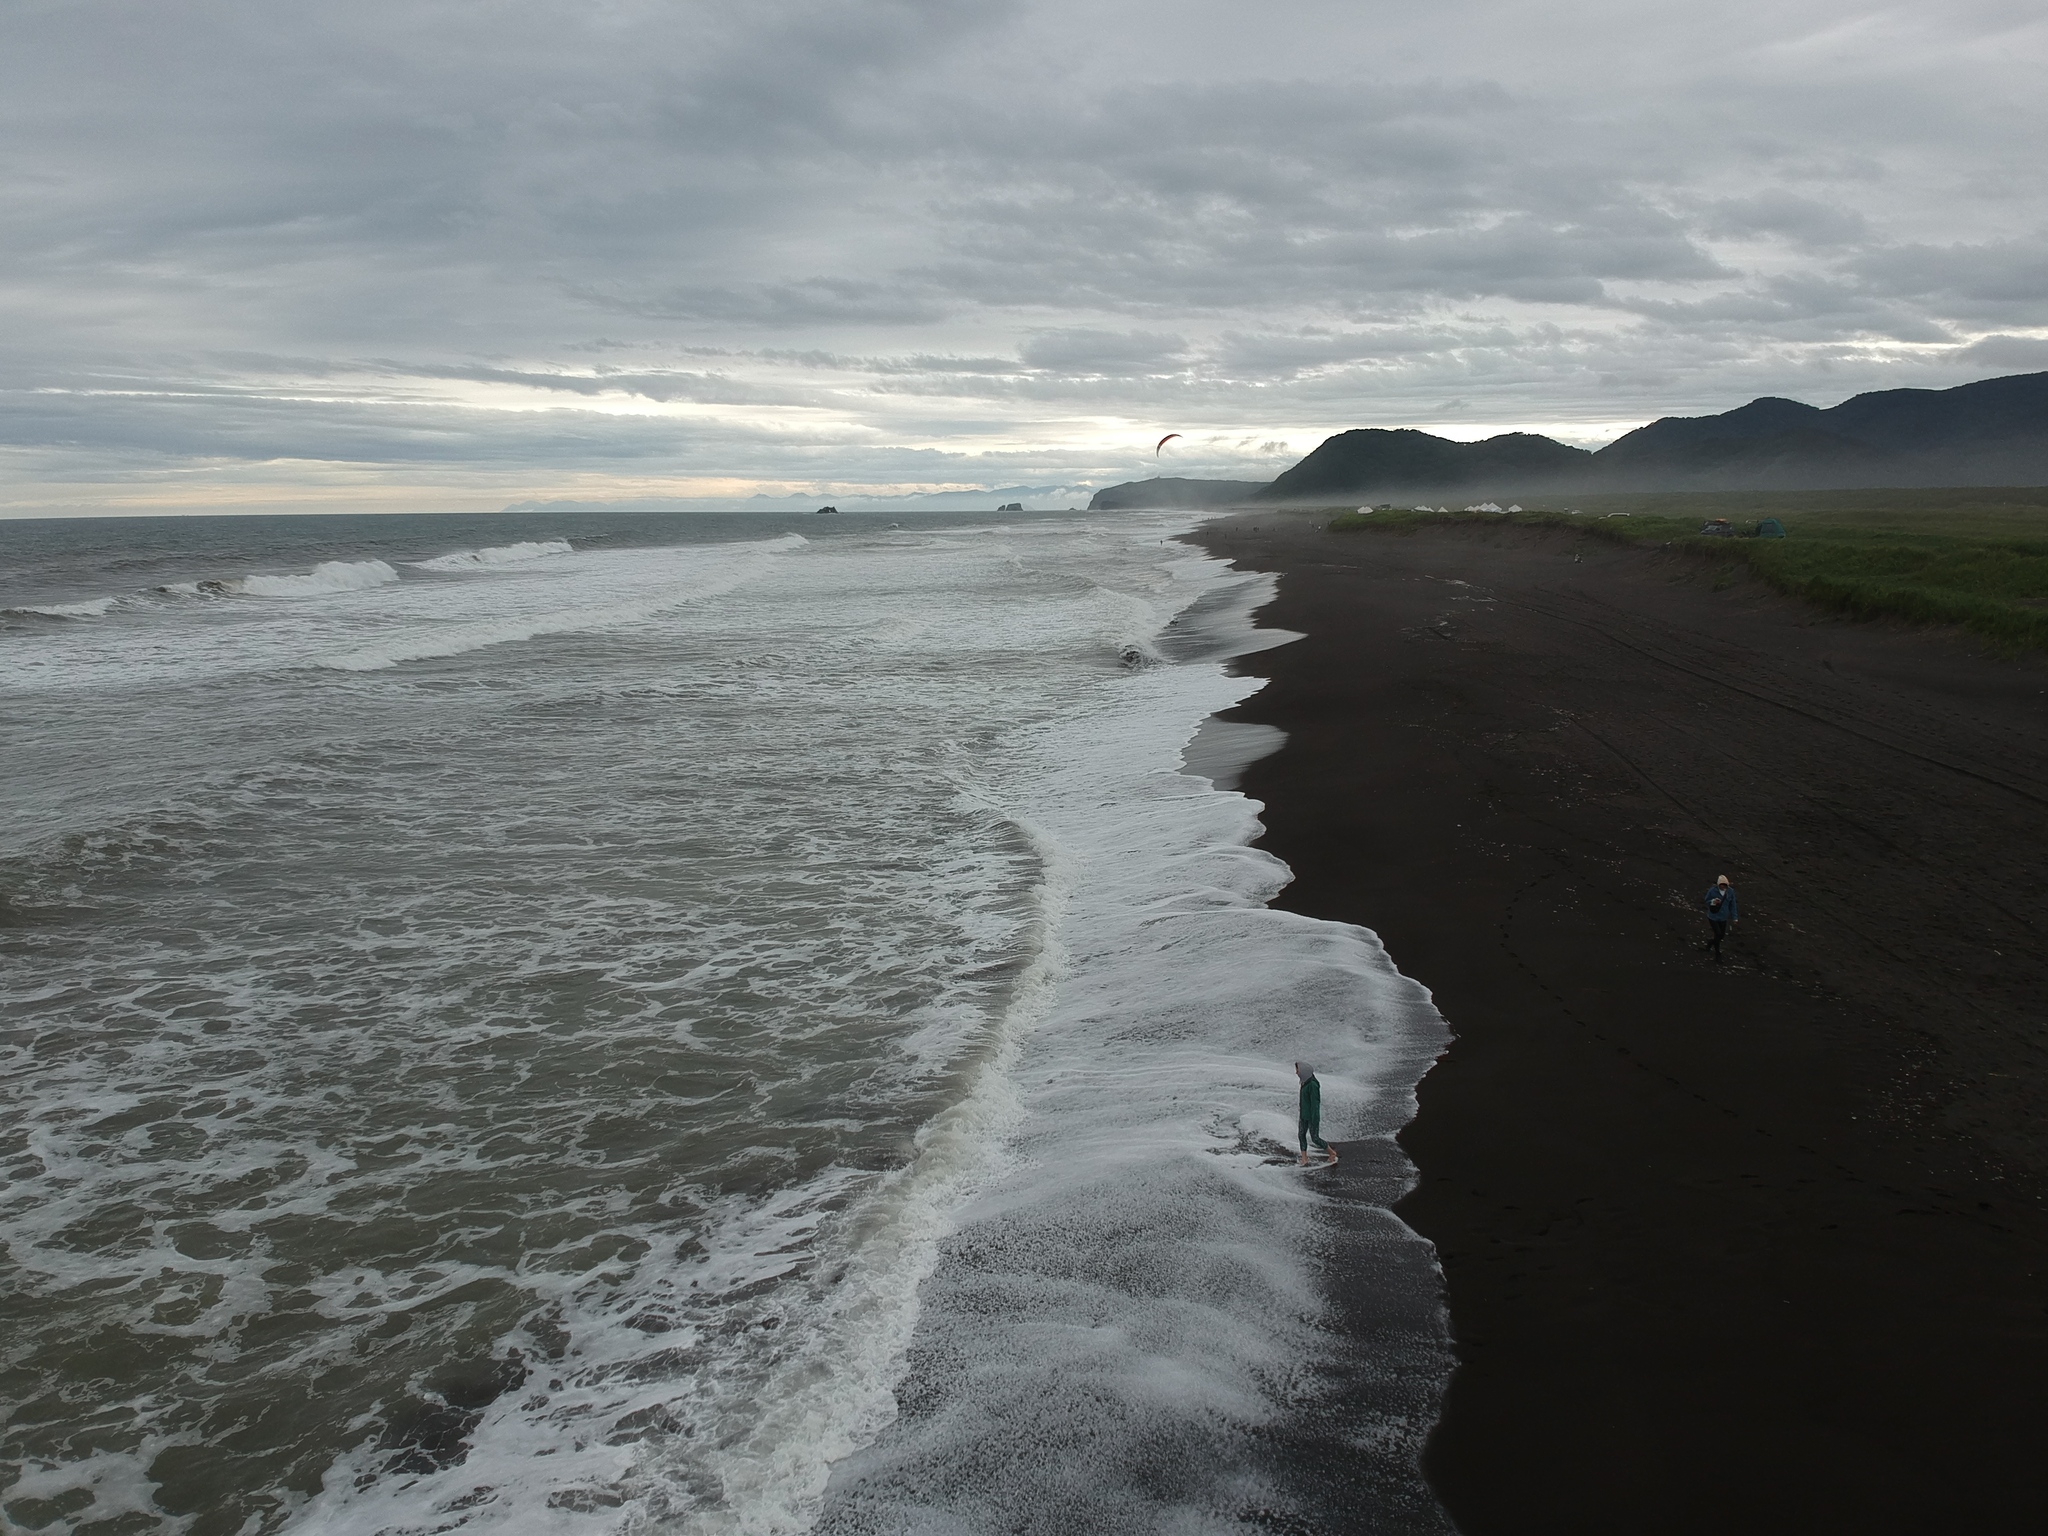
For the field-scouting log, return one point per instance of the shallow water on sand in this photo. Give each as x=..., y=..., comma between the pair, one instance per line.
x=502, y=1017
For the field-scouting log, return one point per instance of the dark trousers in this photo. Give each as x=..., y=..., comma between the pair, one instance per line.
x=1720, y=932
x=1311, y=1131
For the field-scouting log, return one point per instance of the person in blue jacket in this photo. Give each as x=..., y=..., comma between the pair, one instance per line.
x=1722, y=912
x=1311, y=1112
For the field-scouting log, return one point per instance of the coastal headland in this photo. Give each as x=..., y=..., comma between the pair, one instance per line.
x=1759, y=1246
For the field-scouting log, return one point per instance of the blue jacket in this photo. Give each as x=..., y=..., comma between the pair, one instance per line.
x=1726, y=912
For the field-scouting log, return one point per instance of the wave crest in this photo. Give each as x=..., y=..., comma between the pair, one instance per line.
x=716, y=570
x=328, y=576
x=91, y=608
x=501, y=554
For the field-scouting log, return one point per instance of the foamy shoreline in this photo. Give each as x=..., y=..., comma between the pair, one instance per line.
x=1174, y=1240
x=608, y=1055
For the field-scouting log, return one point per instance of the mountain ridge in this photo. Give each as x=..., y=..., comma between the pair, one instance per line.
x=1988, y=432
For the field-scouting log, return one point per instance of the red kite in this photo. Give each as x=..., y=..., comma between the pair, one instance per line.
x=1163, y=442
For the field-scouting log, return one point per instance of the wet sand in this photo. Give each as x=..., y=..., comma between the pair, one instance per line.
x=1756, y=1247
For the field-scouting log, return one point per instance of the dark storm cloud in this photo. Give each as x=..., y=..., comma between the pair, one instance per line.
x=389, y=232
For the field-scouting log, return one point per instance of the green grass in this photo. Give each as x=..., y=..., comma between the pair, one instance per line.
x=1977, y=558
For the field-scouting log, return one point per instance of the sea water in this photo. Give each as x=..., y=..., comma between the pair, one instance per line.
x=593, y=1022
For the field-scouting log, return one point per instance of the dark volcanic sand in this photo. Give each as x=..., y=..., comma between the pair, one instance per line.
x=1741, y=1249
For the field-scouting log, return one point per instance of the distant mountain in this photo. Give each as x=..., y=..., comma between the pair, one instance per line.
x=1173, y=493
x=1767, y=443
x=1373, y=459
x=2001, y=411
x=1993, y=432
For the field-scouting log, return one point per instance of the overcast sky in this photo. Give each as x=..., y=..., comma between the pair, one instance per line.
x=455, y=253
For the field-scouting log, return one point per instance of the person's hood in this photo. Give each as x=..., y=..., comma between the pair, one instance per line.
x=1304, y=1071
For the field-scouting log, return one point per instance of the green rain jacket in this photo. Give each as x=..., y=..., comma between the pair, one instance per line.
x=1312, y=1103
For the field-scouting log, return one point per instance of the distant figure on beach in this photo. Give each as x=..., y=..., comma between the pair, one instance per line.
x=1311, y=1113
x=1721, y=912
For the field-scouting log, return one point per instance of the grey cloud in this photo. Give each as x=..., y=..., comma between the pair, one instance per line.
x=1085, y=351
x=2019, y=354
x=253, y=376
x=931, y=363
x=1232, y=197
x=809, y=301
x=138, y=433
x=369, y=375
x=699, y=388
x=259, y=429
x=917, y=363
x=1883, y=291
x=910, y=218
x=1256, y=354
x=1779, y=212
x=1804, y=306
x=1994, y=278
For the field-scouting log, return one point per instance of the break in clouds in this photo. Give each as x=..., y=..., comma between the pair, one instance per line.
x=447, y=253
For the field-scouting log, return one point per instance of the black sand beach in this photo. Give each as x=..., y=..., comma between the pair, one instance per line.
x=1760, y=1247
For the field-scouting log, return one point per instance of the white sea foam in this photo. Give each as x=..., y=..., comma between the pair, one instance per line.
x=827, y=1394
x=716, y=1022
x=1136, y=1280
x=1138, y=1290
x=329, y=576
x=91, y=608
x=374, y=620
x=117, y=1484
x=457, y=639
x=500, y=554
x=707, y=573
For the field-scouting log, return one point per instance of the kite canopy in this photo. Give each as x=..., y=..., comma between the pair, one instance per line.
x=1163, y=442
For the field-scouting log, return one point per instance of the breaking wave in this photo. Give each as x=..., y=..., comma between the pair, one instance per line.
x=501, y=554
x=328, y=576
x=708, y=572
x=812, y=1062
x=92, y=608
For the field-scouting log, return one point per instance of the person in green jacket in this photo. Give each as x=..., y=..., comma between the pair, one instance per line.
x=1311, y=1113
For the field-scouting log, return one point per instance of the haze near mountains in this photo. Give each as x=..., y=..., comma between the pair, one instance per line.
x=1992, y=432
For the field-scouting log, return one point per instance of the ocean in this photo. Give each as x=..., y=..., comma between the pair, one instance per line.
x=623, y=1022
